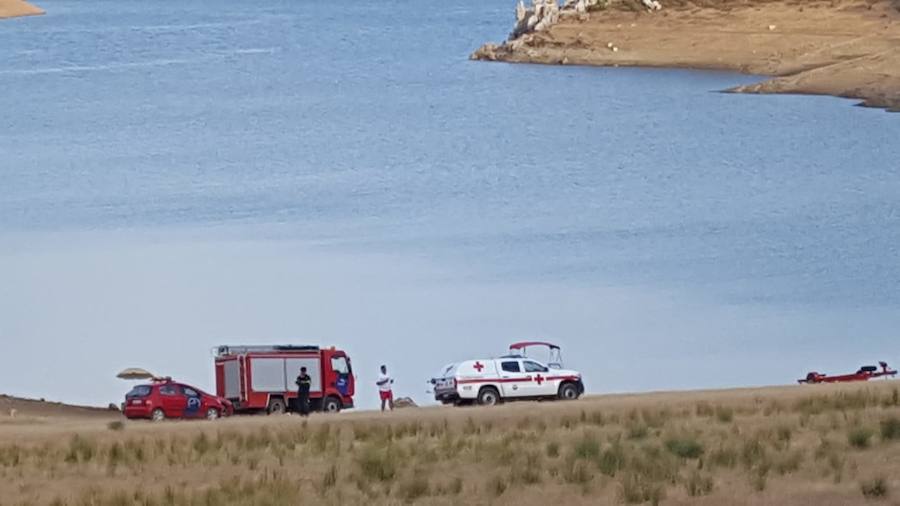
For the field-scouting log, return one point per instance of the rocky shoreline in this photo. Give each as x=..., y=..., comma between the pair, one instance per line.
x=17, y=8
x=845, y=48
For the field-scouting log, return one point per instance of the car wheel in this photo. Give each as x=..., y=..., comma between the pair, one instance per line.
x=568, y=392
x=488, y=396
x=158, y=415
x=276, y=407
x=331, y=405
x=212, y=414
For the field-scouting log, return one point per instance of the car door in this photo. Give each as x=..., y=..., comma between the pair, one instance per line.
x=193, y=406
x=539, y=385
x=173, y=400
x=512, y=378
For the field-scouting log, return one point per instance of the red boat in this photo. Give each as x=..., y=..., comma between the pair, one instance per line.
x=865, y=373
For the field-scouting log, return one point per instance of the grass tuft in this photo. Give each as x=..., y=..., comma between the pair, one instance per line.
x=874, y=489
x=860, y=437
x=686, y=448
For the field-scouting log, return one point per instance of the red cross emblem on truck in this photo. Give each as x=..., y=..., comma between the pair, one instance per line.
x=539, y=379
x=478, y=366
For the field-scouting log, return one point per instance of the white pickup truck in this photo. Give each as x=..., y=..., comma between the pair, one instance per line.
x=494, y=380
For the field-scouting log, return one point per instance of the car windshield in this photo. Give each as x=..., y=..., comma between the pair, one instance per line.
x=139, y=391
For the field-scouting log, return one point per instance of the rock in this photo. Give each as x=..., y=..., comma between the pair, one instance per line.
x=564, y=61
x=609, y=45
x=652, y=5
x=539, y=17
x=772, y=28
x=405, y=402
x=12, y=413
x=520, y=12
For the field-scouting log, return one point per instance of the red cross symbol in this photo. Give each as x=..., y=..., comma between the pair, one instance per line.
x=478, y=366
x=539, y=379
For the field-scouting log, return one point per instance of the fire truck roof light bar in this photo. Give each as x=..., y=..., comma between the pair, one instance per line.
x=242, y=349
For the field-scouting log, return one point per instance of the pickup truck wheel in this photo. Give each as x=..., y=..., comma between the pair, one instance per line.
x=158, y=415
x=568, y=392
x=488, y=396
x=276, y=406
x=331, y=405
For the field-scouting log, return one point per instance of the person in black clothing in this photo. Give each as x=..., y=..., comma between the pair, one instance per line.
x=304, y=382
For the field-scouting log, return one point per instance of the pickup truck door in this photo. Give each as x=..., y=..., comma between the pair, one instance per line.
x=512, y=378
x=539, y=386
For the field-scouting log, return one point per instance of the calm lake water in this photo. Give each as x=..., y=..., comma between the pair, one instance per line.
x=175, y=175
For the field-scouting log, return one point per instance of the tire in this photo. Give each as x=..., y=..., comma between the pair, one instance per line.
x=331, y=405
x=212, y=414
x=488, y=396
x=276, y=406
x=158, y=415
x=568, y=392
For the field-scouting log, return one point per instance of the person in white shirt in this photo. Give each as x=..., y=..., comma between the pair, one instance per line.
x=385, y=383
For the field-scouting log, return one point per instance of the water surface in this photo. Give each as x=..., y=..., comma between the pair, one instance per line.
x=175, y=175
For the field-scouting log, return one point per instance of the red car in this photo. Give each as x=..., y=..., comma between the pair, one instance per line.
x=168, y=399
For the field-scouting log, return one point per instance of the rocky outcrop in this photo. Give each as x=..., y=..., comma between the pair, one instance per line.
x=405, y=402
x=540, y=16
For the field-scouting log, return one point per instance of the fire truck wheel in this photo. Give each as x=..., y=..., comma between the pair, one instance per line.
x=568, y=392
x=488, y=396
x=212, y=414
x=276, y=406
x=158, y=415
x=331, y=405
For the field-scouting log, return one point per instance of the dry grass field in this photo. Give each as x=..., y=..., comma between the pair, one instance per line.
x=813, y=445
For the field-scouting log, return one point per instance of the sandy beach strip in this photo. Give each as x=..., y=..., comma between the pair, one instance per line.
x=17, y=8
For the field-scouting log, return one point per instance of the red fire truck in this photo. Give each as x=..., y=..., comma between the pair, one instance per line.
x=261, y=377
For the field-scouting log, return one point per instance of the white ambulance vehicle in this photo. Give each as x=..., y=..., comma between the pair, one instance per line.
x=513, y=377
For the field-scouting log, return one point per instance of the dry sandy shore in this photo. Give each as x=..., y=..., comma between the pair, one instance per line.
x=846, y=48
x=16, y=8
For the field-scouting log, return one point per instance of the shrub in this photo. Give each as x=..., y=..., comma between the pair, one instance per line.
x=753, y=452
x=588, y=448
x=636, y=489
x=698, y=484
x=577, y=472
x=784, y=433
x=456, y=486
x=758, y=478
x=724, y=415
x=890, y=428
x=637, y=431
x=704, y=409
x=498, y=486
x=612, y=460
x=553, y=449
x=329, y=480
x=789, y=462
x=116, y=425
x=859, y=437
x=377, y=464
x=413, y=488
x=685, y=448
x=874, y=489
x=723, y=457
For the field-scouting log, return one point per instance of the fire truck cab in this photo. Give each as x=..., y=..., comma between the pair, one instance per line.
x=262, y=377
